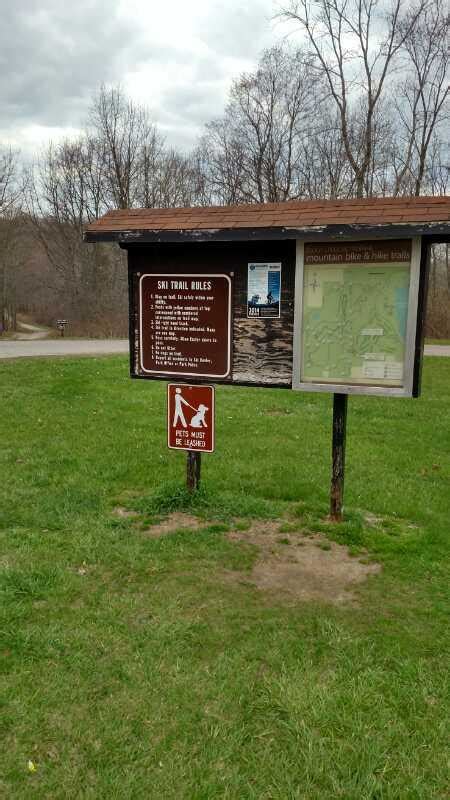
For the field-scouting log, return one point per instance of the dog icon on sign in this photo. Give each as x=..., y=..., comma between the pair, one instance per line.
x=198, y=420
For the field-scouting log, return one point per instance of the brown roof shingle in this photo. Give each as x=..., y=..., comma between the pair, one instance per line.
x=289, y=218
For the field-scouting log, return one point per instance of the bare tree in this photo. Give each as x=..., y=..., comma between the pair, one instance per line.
x=423, y=106
x=324, y=169
x=254, y=152
x=65, y=190
x=123, y=132
x=119, y=161
x=355, y=44
x=168, y=178
x=10, y=190
x=111, y=165
x=10, y=217
x=221, y=157
x=438, y=167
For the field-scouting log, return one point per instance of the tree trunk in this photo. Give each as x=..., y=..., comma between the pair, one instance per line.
x=9, y=318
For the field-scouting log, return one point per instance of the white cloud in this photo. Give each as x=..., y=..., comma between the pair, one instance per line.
x=178, y=59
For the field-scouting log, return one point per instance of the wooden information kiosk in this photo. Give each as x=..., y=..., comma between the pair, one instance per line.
x=324, y=296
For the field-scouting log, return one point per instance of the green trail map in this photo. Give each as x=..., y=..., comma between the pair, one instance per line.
x=354, y=323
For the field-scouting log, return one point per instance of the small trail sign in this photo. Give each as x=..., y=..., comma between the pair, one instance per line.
x=190, y=417
x=61, y=325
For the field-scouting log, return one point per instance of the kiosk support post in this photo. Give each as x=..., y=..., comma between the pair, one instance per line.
x=193, y=470
x=338, y=456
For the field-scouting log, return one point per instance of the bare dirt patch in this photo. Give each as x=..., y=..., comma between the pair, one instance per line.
x=294, y=564
x=175, y=522
x=299, y=567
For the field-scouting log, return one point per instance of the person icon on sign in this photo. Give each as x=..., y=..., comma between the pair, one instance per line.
x=179, y=414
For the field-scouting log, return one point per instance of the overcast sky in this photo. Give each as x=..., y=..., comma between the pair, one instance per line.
x=176, y=57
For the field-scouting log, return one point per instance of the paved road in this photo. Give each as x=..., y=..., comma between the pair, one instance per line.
x=437, y=350
x=62, y=347
x=98, y=347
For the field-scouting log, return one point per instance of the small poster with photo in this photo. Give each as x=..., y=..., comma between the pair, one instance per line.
x=264, y=290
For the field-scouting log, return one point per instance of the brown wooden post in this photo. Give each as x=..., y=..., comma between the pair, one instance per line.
x=193, y=470
x=338, y=456
x=421, y=313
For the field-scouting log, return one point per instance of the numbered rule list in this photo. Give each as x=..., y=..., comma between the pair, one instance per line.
x=185, y=324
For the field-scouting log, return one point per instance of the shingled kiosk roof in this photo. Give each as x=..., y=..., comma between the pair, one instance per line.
x=309, y=220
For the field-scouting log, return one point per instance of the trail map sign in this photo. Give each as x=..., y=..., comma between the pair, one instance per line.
x=357, y=316
x=185, y=324
x=190, y=417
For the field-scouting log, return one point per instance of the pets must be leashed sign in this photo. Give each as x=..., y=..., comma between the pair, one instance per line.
x=190, y=417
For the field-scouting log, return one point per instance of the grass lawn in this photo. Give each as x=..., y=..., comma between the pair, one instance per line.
x=130, y=669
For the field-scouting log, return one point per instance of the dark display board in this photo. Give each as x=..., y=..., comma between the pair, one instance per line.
x=264, y=351
x=203, y=296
